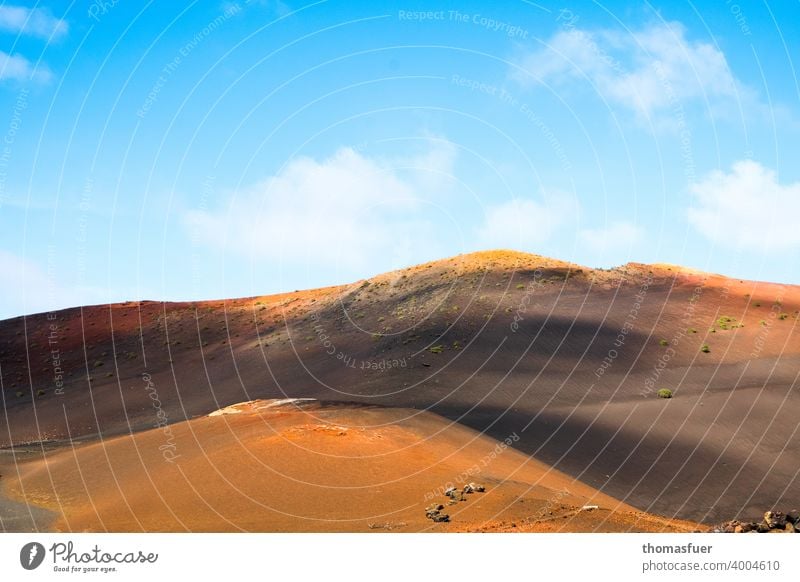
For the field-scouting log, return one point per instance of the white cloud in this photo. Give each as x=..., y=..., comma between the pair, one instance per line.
x=37, y=22
x=617, y=235
x=35, y=286
x=649, y=71
x=746, y=208
x=18, y=68
x=349, y=210
x=24, y=286
x=524, y=224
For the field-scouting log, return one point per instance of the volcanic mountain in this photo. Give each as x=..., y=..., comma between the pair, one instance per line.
x=560, y=362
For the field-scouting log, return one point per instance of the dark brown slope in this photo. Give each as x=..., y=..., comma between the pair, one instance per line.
x=503, y=342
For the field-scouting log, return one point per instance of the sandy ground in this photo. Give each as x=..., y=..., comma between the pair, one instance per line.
x=267, y=467
x=500, y=342
x=18, y=515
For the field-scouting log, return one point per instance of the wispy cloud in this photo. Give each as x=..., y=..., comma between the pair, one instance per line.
x=38, y=22
x=525, y=224
x=747, y=208
x=618, y=235
x=30, y=286
x=650, y=71
x=24, y=286
x=18, y=68
x=350, y=210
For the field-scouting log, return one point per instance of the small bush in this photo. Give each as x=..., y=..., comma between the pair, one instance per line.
x=98, y=363
x=705, y=349
x=692, y=330
x=663, y=343
x=520, y=286
x=665, y=393
x=783, y=316
x=436, y=349
x=40, y=392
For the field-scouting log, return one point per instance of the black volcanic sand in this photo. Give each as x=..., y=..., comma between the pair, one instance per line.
x=522, y=340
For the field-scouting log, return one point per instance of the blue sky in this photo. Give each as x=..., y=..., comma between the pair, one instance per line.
x=206, y=150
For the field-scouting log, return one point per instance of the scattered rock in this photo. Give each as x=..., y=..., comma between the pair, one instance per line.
x=433, y=508
x=454, y=494
x=730, y=527
x=387, y=526
x=775, y=519
x=474, y=488
x=774, y=522
x=434, y=512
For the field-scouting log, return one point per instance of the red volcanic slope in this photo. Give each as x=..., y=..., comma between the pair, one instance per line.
x=567, y=357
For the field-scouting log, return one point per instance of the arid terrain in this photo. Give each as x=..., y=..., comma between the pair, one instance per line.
x=417, y=376
x=284, y=466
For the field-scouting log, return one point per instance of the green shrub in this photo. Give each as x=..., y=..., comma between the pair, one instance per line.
x=520, y=286
x=663, y=343
x=665, y=393
x=436, y=349
x=705, y=349
x=692, y=330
